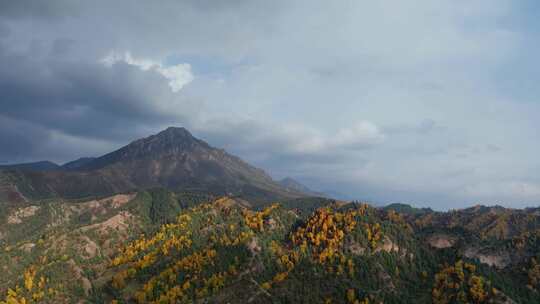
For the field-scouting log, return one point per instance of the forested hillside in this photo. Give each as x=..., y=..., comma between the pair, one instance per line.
x=163, y=247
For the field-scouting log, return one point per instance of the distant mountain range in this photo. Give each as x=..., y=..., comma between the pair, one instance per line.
x=35, y=166
x=173, y=159
x=46, y=165
x=294, y=185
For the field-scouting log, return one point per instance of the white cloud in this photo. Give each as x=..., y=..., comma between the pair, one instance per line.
x=178, y=75
x=361, y=134
x=291, y=139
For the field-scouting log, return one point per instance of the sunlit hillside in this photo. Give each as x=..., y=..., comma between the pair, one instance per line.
x=223, y=251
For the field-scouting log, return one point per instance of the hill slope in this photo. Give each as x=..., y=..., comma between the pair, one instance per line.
x=223, y=251
x=77, y=164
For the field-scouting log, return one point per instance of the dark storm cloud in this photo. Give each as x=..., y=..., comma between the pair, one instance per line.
x=23, y=141
x=20, y=140
x=50, y=10
x=62, y=47
x=4, y=30
x=78, y=99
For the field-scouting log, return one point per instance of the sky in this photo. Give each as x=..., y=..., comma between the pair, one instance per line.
x=428, y=102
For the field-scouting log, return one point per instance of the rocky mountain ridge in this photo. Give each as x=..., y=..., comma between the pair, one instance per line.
x=173, y=159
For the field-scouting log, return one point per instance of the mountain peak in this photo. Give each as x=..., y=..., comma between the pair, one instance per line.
x=171, y=141
x=171, y=134
x=175, y=131
x=173, y=159
x=177, y=135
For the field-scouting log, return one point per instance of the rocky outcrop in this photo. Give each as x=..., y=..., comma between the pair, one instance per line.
x=387, y=245
x=20, y=214
x=78, y=275
x=441, y=241
x=495, y=259
x=27, y=247
x=119, y=222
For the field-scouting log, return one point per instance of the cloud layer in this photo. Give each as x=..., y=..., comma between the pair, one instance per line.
x=178, y=75
x=428, y=102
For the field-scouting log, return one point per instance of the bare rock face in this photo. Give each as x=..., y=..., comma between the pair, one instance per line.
x=18, y=216
x=495, y=259
x=68, y=211
x=387, y=245
x=78, y=274
x=102, y=205
x=253, y=246
x=90, y=249
x=441, y=241
x=27, y=247
x=356, y=248
x=119, y=222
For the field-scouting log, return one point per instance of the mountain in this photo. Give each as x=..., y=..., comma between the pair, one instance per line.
x=35, y=166
x=170, y=219
x=173, y=159
x=294, y=185
x=77, y=164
